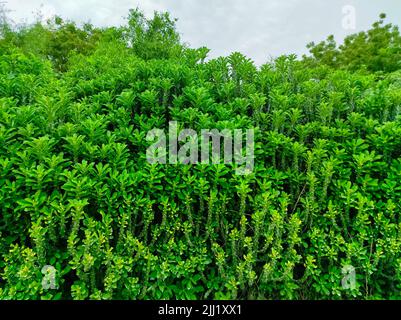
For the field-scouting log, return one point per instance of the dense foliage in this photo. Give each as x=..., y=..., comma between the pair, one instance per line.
x=77, y=193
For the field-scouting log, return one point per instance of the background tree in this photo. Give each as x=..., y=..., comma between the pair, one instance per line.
x=153, y=38
x=378, y=49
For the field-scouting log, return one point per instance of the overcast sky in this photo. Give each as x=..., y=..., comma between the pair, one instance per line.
x=258, y=28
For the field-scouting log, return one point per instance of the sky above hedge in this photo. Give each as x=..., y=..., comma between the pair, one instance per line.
x=258, y=28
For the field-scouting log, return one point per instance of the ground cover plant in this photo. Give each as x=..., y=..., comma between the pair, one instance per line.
x=77, y=193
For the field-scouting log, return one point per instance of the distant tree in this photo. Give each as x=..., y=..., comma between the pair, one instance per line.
x=66, y=37
x=5, y=23
x=153, y=38
x=378, y=49
x=55, y=39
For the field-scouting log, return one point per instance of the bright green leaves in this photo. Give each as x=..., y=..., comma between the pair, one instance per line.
x=77, y=193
